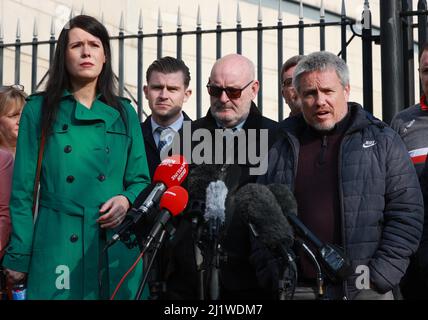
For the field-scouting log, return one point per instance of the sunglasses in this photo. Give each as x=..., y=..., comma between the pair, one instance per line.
x=232, y=93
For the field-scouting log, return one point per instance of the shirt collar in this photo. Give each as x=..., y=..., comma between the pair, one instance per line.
x=235, y=128
x=176, y=125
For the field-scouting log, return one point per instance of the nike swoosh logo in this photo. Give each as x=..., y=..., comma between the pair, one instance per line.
x=369, y=144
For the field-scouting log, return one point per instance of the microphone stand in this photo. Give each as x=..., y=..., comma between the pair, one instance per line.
x=214, y=291
x=284, y=285
x=156, y=246
x=199, y=259
x=320, y=276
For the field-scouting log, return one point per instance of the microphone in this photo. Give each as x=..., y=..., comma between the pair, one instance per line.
x=331, y=257
x=172, y=203
x=171, y=172
x=257, y=206
x=215, y=207
x=214, y=216
x=200, y=176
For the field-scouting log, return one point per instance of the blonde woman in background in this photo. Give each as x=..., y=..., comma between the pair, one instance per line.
x=12, y=100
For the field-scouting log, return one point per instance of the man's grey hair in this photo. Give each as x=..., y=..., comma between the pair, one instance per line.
x=321, y=61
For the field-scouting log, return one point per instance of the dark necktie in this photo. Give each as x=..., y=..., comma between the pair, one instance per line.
x=164, y=137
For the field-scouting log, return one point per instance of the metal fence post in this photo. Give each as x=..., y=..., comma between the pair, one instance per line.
x=422, y=31
x=238, y=31
x=367, y=58
x=391, y=58
x=280, y=62
x=198, y=65
x=301, y=30
x=408, y=56
x=179, y=36
x=159, y=36
x=218, y=33
x=18, y=54
x=322, y=26
x=140, y=68
x=343, y=32
x=260, y=58
x=34, y=59
x=121, y=57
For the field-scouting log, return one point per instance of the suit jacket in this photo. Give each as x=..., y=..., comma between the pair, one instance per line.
x=153, y=158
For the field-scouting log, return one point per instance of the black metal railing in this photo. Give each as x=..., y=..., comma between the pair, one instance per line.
x=338, y=21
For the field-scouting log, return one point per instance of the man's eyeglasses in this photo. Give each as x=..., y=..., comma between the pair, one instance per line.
x=287, y=82
x=232, y=93
x=18, y=87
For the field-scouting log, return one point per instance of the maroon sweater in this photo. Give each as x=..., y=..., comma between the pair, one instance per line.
x=316, y=188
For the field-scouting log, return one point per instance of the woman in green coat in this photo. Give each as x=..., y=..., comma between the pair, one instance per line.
x=94, y=165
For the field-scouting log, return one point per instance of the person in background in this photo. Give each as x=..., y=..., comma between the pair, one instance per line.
x=93, y=167
x=6, y=170
x=288, y=91
x=412, y=126
x=12, y=100
x=166, y=91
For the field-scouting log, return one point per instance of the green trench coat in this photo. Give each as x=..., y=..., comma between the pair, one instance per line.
x=90, y=157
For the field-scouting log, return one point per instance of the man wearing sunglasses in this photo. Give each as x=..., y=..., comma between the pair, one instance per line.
x=232, y=88
x=288, y=91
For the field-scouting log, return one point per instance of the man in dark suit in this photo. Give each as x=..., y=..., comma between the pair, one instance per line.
x=232, y=88
x=166, y=91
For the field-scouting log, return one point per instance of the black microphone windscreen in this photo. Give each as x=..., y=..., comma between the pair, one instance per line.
x=199, y=178
x=285, y=198
x=258, y=206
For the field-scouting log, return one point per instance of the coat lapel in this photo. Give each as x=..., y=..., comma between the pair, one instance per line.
x=147, y=133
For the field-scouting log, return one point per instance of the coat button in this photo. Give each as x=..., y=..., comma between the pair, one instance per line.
x=74, y=238
x=101, y=177
x=68, y=149
x=65, y=127
x=107, y=150
x=70, y=179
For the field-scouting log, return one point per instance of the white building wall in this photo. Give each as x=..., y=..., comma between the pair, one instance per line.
x=43, y=11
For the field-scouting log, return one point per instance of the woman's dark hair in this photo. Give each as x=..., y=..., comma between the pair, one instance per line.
x=59, y=78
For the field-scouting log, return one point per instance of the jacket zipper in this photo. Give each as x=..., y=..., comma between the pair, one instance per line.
x=342, y=210
x=321, y=159
x=296, y=159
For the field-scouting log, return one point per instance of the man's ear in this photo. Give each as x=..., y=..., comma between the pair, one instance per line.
x=255, y=86
x=145, y=90
x=347, y=91
x=187, y=94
